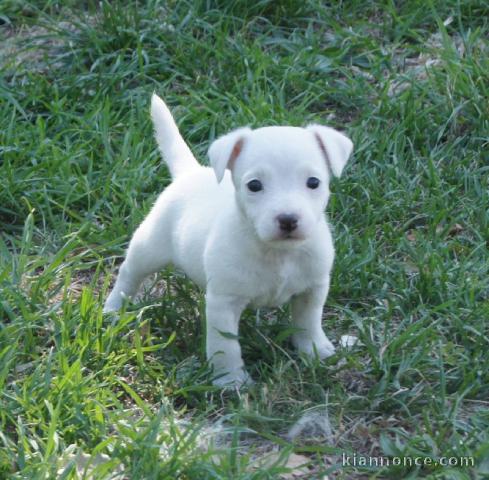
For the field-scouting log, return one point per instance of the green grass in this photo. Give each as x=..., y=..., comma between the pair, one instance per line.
x=79, y=170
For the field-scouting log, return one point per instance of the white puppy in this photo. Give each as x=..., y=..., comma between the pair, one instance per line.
x=251, y=230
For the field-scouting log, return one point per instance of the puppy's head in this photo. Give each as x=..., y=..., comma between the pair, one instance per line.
x=281, y=176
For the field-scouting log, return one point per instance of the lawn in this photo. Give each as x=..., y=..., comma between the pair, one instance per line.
x=86, y=395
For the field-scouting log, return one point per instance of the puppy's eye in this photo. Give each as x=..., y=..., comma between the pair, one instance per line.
x=313, y=182
x=254, y=185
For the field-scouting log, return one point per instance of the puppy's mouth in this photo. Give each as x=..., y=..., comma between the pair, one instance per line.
x=290, y=236
x=279, y=237
x=289, y=240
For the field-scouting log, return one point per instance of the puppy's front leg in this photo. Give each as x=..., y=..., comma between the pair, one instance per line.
x=307, y=309
x=223, y=350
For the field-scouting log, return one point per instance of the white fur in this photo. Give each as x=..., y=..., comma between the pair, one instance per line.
x=228, y=239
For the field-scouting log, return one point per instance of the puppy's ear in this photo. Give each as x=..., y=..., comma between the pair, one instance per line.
x=335, y=147
x=226, y=149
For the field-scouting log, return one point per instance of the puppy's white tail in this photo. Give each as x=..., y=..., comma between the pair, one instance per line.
x=175, y=151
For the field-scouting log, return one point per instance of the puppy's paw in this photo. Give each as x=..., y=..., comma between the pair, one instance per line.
x=322, y=347
x=116, y=300
x=113, y=303
x=109, y=309
x=325, y=349
x=235, y=379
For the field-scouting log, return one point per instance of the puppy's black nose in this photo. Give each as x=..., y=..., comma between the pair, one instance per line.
x=287, y=222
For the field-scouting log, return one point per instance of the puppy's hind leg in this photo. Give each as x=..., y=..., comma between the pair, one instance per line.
x=148, y=253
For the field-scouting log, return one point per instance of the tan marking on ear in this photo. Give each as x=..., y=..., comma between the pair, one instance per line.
x=238, y=146
x=324, y=152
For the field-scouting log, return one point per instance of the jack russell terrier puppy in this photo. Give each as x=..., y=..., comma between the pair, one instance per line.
x=250, y=230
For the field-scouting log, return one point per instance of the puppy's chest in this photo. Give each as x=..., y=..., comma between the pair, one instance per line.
x=279, y=280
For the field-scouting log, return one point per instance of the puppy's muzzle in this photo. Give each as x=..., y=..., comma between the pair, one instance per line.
x=287, y=222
